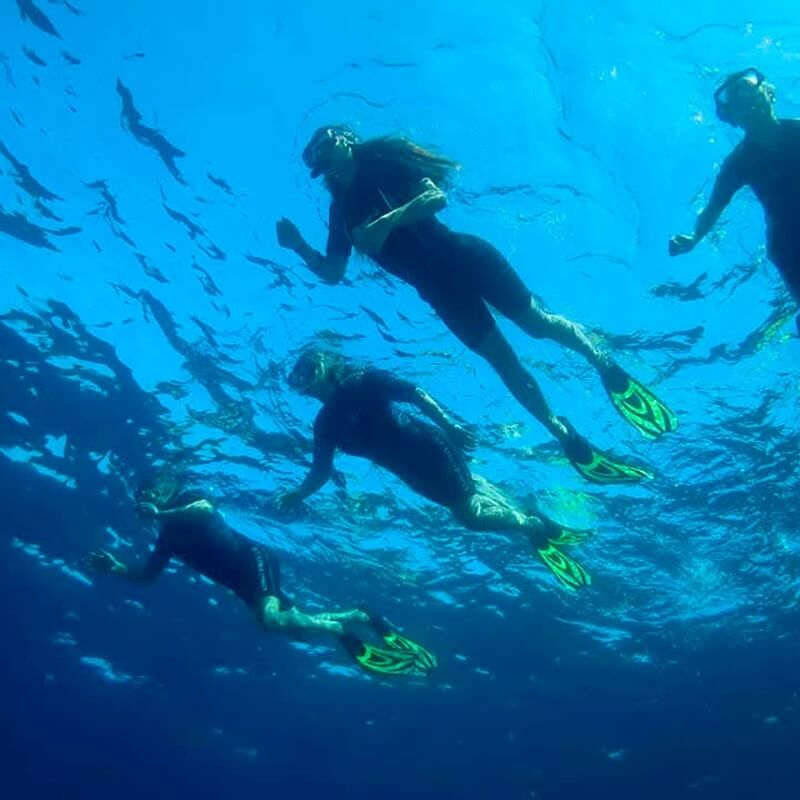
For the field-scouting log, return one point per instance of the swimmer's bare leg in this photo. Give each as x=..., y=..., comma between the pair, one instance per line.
x=353, y=615
x=271, y=616
x=496, y=349
x=491, y=514
x=541, y=324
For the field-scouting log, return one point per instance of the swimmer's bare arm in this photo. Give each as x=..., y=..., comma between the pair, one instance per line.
x=431, y=200
x=330, y=268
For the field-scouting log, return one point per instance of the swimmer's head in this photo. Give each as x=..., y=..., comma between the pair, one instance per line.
x=316, y=372
x=745, y=99
x=159, y=490
x=330, y=151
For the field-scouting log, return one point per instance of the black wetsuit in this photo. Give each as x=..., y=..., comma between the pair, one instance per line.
x=458, y=274
x=207, y=544
x=361, y=419
x=774, y=176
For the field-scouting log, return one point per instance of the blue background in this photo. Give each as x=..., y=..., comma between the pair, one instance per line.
x=153, y=316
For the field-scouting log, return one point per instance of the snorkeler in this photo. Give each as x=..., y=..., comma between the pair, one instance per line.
x=193, y=531
x=768, y=161
x=386, y=194
x=360, y=417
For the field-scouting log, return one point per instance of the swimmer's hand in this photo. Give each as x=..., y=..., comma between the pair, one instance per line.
x=681, y=244
x=462, y=436
x=289, y=235
x=286, y=501
x=103, y=563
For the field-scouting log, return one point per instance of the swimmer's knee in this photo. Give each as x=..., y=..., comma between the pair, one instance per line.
x=537, y=322
x=269, y=613
x=467, y=512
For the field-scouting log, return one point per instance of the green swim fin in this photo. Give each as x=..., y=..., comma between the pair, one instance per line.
x=569, y=573
x=562, y=535
x=570, y=537
x=380, y=660
x=596, y=466
x=426, y=660
x=637, y=404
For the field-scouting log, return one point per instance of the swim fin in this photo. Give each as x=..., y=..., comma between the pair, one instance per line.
x=569, y=573
x=596, y=466
x=380, y=660
x=570, y=537
x=562, y=535
x=637, y=404
x=426, y=660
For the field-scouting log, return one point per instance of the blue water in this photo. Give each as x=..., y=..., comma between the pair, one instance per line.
x=147, y=312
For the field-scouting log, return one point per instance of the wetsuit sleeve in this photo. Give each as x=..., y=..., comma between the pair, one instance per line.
x=391, y=387
x=324, y=442
x=731, y=178
x=154, y=565
x=339, y=244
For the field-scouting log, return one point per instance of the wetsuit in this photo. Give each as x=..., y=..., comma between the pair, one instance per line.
x=361, y=419
x=207, y=544
x=774, y=176
x=458, y=274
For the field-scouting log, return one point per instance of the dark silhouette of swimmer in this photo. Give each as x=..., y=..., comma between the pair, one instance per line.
x=192, y=530
x=366, y=413
x=768, y=161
